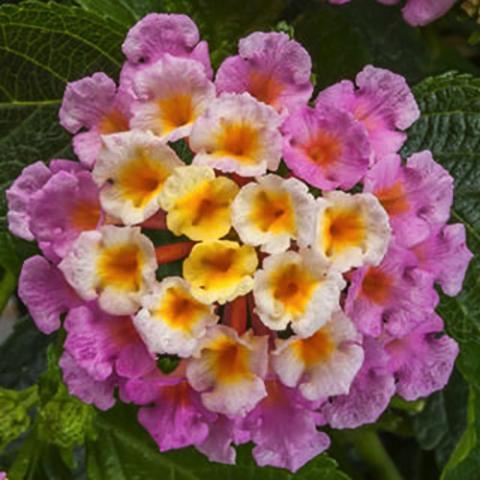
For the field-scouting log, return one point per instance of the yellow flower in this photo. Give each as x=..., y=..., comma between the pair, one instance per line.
x=296, y=288
x=324, y=364
x=220, y=270
x=238, y=134
x=228, y=370
x=131, y=171
x=172, y=321
x=351, y=230
x=198, y=203
x=172, y=94
x=273, y=211
x=114, y=264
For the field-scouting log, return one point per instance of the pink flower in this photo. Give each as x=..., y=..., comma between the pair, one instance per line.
x=417, y=196
x=421, y=12
x=322, y=365
x=283, y=427
x=157, y=34
x=423, y=360
x=223, y=433
x=46, y=293
x=103, y=344
x=83, y=386
x=369, y=395
x=93, y=107
x=30, y=181
x=383, y=103
x=392, y=296
x=416, y=12
x=18, y=195
x=325, y=147
x=446, y=256
x=175, y=417
x=172, y=94
x=271, y=67
x=53, y=205
x=64, y=207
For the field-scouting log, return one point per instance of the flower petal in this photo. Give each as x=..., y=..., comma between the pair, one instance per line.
x=131, y=170
x=172, y=93
x=272, y=212
x=351, y=230
x=297, y=288
x=172, y=321
x=237, y=134
x=271, y=67
x=326, y=147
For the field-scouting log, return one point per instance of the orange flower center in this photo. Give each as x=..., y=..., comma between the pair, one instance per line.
x=377, y=285
x=324, y=149
x=393, y=199
x=273, y=212
x=238, y=140
x=120, y=267
x=265, y=87
x=314, y=349
x=114, y=122
x=85, y=215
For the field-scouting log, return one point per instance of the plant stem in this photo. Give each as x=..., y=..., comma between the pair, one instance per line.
x=371, y=449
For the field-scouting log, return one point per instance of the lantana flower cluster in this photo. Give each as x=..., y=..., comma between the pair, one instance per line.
x=309, y=249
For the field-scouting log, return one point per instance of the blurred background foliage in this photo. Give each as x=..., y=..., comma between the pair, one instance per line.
x=45, y=433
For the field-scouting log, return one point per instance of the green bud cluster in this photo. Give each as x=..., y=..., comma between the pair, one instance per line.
x=14, y=417
x=65, y=421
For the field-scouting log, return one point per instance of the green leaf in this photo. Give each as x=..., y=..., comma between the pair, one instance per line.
x=124, y=451
x=223, y=23
x=464, y=464
x=450, y=127
x=123, y=12
x=336, y=49
x=37, y=460
x=45, y=46
x=23, y=355
x=13, y=252
x=342, y=40
x=441, y=424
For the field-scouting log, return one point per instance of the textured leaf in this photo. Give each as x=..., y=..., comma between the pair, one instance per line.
x=13, y=251
x=123, y=12
x=337, y=50
x=343, y=40
x=450, y=128
x=441, y=424
x=222, y=23
x=23, y=355
x=464, y=464
x=124, y=451
x=45, y=46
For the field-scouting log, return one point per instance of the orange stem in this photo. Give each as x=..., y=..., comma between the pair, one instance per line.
x=157, y=222
x=173, y=251
x=235, y=314
x=239, y=180
x=257, y=325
